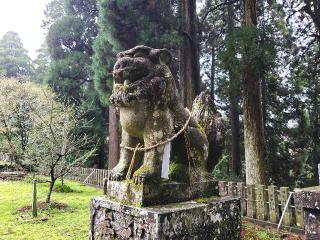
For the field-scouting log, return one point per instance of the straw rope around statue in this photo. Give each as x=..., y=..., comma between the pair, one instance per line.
x=143, y=149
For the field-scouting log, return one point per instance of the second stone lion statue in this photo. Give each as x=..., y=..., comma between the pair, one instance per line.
x=146, y=95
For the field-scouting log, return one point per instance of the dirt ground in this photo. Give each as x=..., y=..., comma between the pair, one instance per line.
x=253, y=232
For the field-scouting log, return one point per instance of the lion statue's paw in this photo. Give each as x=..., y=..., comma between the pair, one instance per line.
x=118, y=173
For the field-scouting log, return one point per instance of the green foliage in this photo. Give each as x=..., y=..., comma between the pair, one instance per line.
x=289, y=82
x=103, y=61
x=62, y=188
x=246, y=42
x=17, y=103
x=54, y=11
x=38, y=131
x=68, y=75
x=251, y=232
x=41, y=65
x=65, y=36
x=14, y=60
x=69, y=224
x=222, y=172
x=70, y=44
x=55, y=145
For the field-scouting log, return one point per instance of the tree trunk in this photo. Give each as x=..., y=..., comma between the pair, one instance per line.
x=114, y=138
x=189, y=53
x=253, y=122
x=213, y=71
x=315, y=129
x=234, y=90
x=263, y=72
x=102, y=151
x=53, y=180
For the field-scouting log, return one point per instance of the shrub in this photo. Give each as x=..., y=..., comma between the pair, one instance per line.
x=63, y=188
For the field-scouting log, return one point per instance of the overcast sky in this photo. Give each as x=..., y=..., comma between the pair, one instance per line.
x=25, y=18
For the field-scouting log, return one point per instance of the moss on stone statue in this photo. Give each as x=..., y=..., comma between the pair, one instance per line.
x=204, y=199
x=120, y=86
x=143, y=169
x=111, y=198
x=177, y=172
x=136, y=187
x=201, y=128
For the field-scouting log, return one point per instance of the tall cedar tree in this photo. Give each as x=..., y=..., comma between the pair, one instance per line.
x=14, y=59
x=219, y=41
x=234, y=97
x=253, y=120
x=305, y=79
x=72, y=31
x=189, y=69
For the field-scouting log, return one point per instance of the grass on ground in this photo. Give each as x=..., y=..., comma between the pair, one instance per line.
x=252, y=232
x=71, y=223
x=60, y=222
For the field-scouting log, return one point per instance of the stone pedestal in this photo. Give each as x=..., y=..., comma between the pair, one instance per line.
x=309, y=199
x=205, y=218
x=155, y=193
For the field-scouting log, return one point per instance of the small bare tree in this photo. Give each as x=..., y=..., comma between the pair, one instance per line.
x=38, y=131
x=56, y=145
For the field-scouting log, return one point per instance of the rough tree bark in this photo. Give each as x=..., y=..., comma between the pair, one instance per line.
x=234, y=90
x=253, y=121
x=213, y=71
x=52, y=182
x=114, y=138
x=263, y=71
x=102, y=150
x=189, y=53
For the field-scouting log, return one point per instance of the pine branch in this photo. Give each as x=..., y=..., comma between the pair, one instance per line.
x=217, y=7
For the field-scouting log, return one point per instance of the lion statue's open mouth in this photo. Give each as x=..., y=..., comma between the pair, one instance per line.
x=129, y=70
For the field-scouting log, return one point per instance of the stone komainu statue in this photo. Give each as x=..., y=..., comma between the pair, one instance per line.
x=146, y=95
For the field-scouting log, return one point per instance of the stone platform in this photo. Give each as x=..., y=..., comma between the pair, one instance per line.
x=309, y=199
x=162, y=192
x=206, y=218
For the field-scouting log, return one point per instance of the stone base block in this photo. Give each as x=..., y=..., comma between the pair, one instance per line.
x=309, y=199
x=212, y=218
x=149, y=194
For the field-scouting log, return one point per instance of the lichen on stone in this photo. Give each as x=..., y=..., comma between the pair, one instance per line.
x=146, y=95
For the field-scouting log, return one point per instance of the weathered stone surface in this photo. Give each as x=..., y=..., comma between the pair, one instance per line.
x=214, y=218
x=162, y=140
x=309, y=199
x=148, y=194
x=210, y=121
x=312, y=223
x=146, y=95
